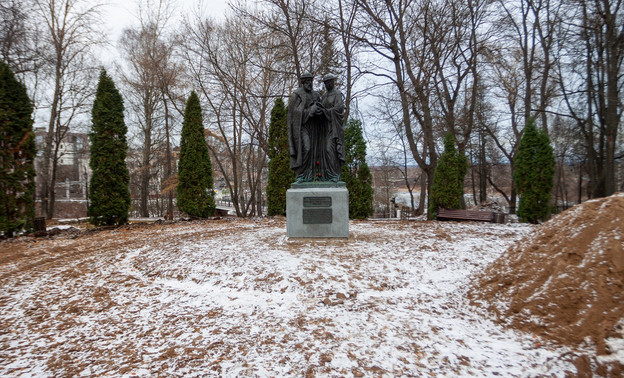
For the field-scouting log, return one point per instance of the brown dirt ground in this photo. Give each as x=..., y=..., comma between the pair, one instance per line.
x=565, y=282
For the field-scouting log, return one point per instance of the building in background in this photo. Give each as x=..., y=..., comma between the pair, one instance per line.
x=72, y=175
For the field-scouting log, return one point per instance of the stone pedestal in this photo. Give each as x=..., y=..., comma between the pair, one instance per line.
x=317, y=210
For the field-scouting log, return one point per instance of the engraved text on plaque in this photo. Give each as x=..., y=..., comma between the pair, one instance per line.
x=317, y=201
x=317, y=216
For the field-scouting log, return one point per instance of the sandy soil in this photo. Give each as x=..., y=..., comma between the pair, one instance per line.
x=565, y=282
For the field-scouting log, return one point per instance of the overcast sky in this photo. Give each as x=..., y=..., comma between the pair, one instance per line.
x=121, y=14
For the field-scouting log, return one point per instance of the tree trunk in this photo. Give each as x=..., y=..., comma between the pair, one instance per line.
x=48, y=143
x=168, y=158
x=52, y=187
x=613, y=68
x=580, y=183
x=145, y=169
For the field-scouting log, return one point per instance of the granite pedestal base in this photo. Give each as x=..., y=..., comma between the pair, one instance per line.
x=317, y=212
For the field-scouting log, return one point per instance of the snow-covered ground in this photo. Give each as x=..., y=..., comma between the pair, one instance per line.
x=238, y=298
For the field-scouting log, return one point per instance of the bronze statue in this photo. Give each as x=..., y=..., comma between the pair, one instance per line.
x=316, y=131
x=333, y=109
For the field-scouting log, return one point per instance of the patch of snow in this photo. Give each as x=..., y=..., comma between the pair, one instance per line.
x=241, y=299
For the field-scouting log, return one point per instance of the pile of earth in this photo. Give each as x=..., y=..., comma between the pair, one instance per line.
x=565, y=281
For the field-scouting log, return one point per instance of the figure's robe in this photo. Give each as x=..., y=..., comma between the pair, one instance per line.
x=301, y=127
x=334, y=108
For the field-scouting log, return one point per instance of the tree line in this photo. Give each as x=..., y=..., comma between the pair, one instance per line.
x=109, y=185
x=413, y=70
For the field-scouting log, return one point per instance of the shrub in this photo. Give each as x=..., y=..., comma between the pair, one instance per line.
x=534, y=174
x=109, y=194
x=195, y=181
x=280, y=174
x=17, y=154
x=447, y=190
x=355, y=172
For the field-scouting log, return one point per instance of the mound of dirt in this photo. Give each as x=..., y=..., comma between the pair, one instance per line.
x=565, y=281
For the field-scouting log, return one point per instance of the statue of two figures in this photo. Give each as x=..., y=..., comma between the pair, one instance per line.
x=316, y=131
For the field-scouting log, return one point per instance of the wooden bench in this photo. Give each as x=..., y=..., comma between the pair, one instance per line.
x=468, y=215
x=221, y=212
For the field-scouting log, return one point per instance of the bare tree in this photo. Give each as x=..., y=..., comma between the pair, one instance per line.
x=519, y=72
x=339, y=48
x=297, y=35
x=591, y=78
x=347, y=12
x=170, y=81
x=431, y=50
x=569, y=155
x=70, y=33
x=530, y=29
x=384, y=186
x=74, y=103
x=481, y=142
x=391, y=145
x=505, y=77
x=19, y=37
x=150, y=76
x=233, y=67
x=387, y=30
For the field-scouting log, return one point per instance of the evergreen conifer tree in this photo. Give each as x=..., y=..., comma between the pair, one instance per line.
x=280, y=174
x=195, y=182
x=109, y=195
x=447, y=190
x=355, y=172
x=17, y=154
x=534, y=174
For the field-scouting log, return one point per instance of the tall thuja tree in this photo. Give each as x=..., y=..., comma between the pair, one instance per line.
x=355, y=172
x=17, y=154
x=195, y=192
x=447, y=190
x=280, y=174
x=108, y=193
x=534, y=174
